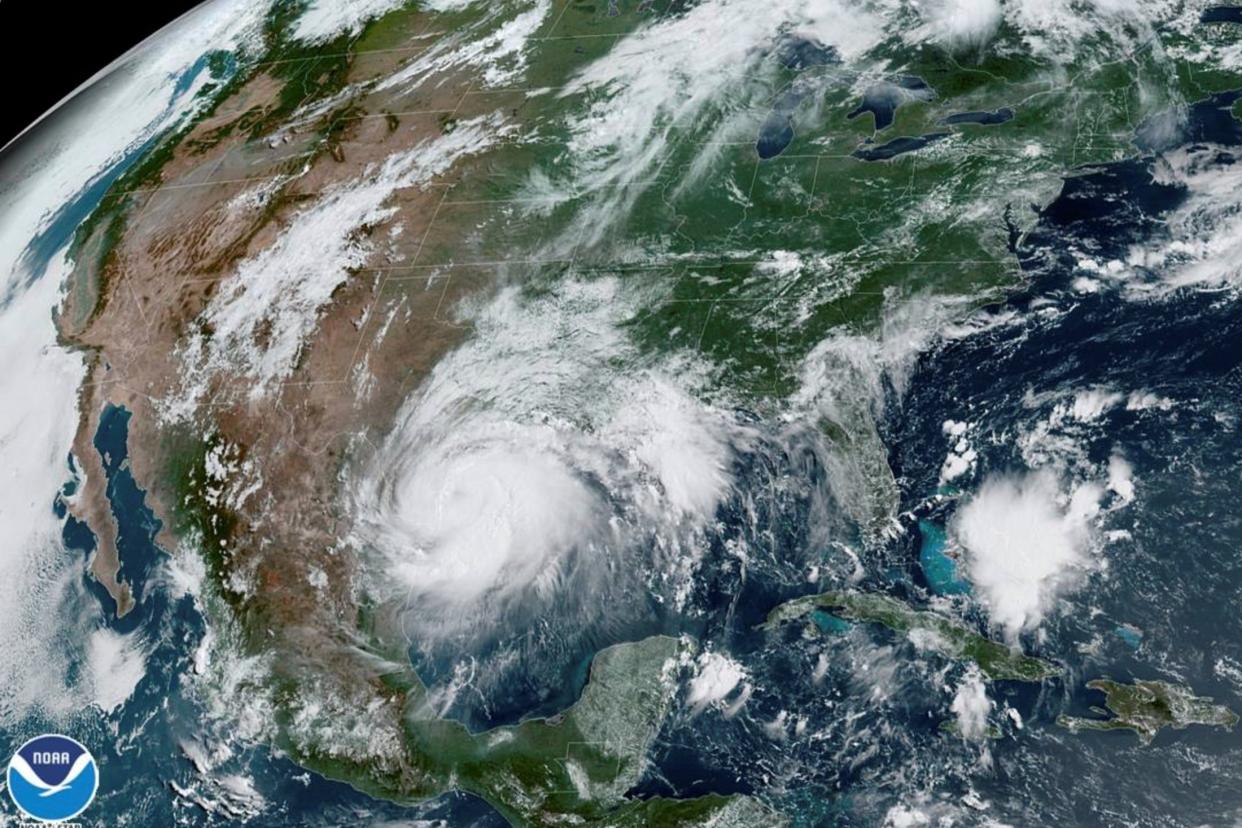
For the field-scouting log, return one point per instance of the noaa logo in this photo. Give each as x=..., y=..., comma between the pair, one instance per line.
x=52, y=778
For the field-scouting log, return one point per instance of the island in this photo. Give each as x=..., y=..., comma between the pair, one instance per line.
x=947, y=636
x=1147, y=707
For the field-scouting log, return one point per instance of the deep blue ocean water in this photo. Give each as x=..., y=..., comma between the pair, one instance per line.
x=138, y=746
x=138, y=770
x=1165, y=608
x=1182, y=347
x=1172, y=592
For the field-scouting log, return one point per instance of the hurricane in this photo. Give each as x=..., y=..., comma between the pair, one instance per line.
x=692, y=413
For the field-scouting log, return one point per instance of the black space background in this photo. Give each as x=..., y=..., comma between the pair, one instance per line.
x=49, y=47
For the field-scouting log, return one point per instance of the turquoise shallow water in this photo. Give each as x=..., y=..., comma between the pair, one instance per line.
x=829, y=623
x=1132, y=636
x=866, y=733
x=940, y=570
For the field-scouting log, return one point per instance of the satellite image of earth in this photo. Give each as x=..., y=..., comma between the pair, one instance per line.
x=633, y=412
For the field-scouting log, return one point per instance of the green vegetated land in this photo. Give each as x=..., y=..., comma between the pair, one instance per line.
x=949, y=637
x=938, y=221
x=1147, y=707
x=572, y=768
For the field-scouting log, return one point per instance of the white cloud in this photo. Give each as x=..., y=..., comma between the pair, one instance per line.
x=961, y=457
x=282, y=291
x=1144, y=400
x=495, y=46
x=327, y=19
x=663, y=428
x=1092, y=404
x=529, y=466
x=37, y=424
x=964, y=23
x=1203, y=242
x=955, y=465
x=128, y=103
x=660, y=80
x=905, y=816
x=117, y=663
x=1055, y=26
x=971, y=705
x=1060, y=438
x=1025, y=543
x=717, y=677
x=1051, y=28
x=498, y=507
x=1121, y=478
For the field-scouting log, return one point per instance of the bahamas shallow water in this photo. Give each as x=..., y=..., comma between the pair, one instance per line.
x=1162, y=606
x=1172, y=590
x=1176, y=570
